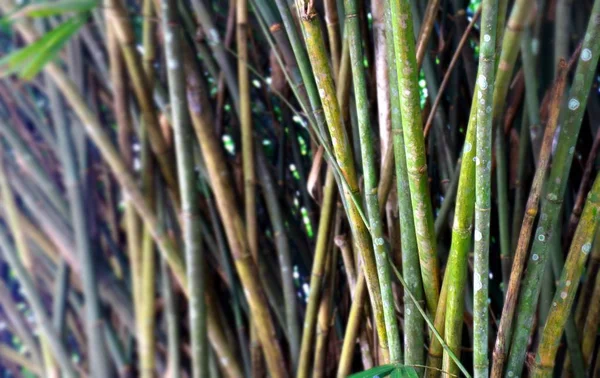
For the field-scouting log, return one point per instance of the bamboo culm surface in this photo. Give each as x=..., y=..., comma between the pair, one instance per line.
x=299, y=189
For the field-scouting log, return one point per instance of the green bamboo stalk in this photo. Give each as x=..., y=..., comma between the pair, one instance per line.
x=483, y=171
x=413, y=323
x=567, y=285
x=342, y=151
x=412, y=127
x=190, y=211
x=284, y=256
x=592, y=320
x=457, y=267
x=531, y=210
x=370, y=179
x=214, y=158
x=556, y=186
x=118, y=19
x=96, y=346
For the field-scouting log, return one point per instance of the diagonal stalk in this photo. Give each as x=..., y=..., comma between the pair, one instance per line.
x=555, y=190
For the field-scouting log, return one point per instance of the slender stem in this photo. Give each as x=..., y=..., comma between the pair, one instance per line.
x=370, y=179
x=190, y=211
x=567, y=285
x=556, y=186
x=457, y=267
x=343, y=155
x=412, y=127
x=284, y=255
x=483, y=171
x=212, y=152
x=531, y=210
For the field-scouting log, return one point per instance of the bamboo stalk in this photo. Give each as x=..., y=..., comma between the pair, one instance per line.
x=370, y=181
x=413, y=323
x=556, y=185
x=567, y=286
x=342, y=151
x=117, y=16
x=531, y=211
x=283, y=254
x=483, y=164
x=415, y=151
x=457, y=267
x=190, y=212
x=215, y=163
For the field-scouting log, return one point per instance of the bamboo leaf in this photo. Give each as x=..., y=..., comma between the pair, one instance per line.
x=30, y=60
x=378, y=371
x=52, y=8
x=405, y=372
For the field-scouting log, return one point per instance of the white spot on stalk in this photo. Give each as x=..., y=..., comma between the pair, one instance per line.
x=535, y=257
x=478, y=235
x=478, y=285
x=487, y=38
x=467, y=147
x=586, y=55
x=563, y=295
x=483, y=84
x=573, y=104
x=586, y=248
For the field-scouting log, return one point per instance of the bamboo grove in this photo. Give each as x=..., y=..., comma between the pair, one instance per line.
x=299, y=188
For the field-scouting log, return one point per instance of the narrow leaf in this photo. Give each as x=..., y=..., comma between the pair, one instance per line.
x=52, y=8
x=377, y=371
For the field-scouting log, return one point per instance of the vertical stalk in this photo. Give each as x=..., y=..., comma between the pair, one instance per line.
x=118, y=18
x=202, y=120
x=414, y=337
x=316, y=277
x=370, y=179
x=190, y=211
x=342, y=149
x=483, y=170
x=457, y=267
x=412, y=126
x=284, y=255
x=555, y=190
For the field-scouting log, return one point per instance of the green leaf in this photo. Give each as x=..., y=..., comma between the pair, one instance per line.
x=30, y=60
x=377, y=371
x=53, y=8
x=405, y=372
